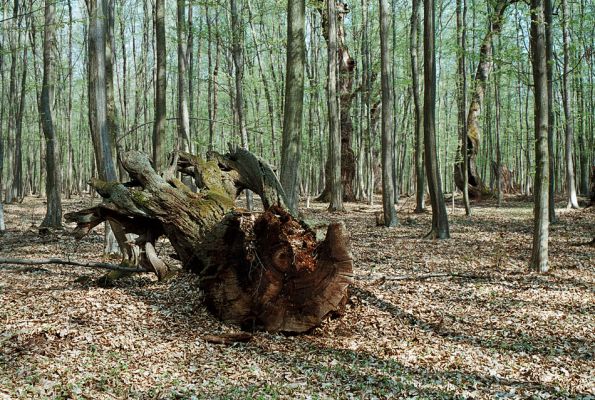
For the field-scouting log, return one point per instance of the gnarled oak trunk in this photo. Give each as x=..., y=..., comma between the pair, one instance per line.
x=262, y=271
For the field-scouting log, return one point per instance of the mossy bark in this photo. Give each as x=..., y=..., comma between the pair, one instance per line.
x=262, y=271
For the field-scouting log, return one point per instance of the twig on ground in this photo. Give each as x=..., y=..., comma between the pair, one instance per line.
x=99, y=265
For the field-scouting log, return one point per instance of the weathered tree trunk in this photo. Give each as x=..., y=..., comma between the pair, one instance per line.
x=183, y=113
x=462, y=101
x=260, y=271
x=346, y=73
x=484, y=68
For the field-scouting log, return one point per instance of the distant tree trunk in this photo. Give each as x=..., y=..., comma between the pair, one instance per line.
x=388, y=188
x=462, y=102
x=53, y=216
x=346, y=75
x=484, y=68
x=498, y=150
x=539, y=256
x=419, y=159
x=14, y=39
x=17, y=183
x=334, y=152
x=160, y=86
x=238, y=62
x=69, y=149
x=294, y=101
x=570, y=183
x=549, y=54
x=439, y=217
x=183, y=113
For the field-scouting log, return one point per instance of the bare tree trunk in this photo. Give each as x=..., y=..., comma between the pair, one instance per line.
x=462, y=102
x=439, y=216
x=346, y=75
x=14, y=42
x=294, y=102
x=334, y=180
x=69, y=150
x=388, y=187
x=160, y=86
x=570, y=182
x=549, y=50
x=418, y=130
x=183, y=113
x=539, y=256
x=53, y=217
x=17, y=187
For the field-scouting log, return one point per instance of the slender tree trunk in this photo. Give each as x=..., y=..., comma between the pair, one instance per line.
x=183, y=113
x=14, y=42
x=462, y=102
x=294, y=101
x=539, y=256
x=17, y=187
x=70, y=151
x=570, y=182
x=238, y=62
x=419, y=158
x=53, y=217
x=334, y=178
x=439, y=216
x=160, y=86
x=549, y=50
x=388, y=188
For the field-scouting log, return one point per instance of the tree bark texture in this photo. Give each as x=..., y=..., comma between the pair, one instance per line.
x=53, y=217
x=294, y=101
x=160, y=85
x=539, y=255
x=346, y=75
x=440, y=228
x=388, y=184
x=261, y=271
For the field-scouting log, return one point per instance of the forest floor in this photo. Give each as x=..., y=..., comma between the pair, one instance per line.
x=489, y=329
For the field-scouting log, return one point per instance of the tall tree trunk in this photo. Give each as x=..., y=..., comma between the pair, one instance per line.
x=69, y=149
x=539, y=255
x=439, y=217
x=17, y=183
x=484, y=68
x=419, y=157
x=570, y=183
x=346, y=75
x=334, y=149
x=462, y=102
x=183, y=113
x=53, y=216
x=388, y=188
x=238, y=62
x=160, y=86
x=294, y=101
x=549, y=51
x=14, y=42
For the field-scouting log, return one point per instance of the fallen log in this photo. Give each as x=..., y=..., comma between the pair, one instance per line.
x=261, y=271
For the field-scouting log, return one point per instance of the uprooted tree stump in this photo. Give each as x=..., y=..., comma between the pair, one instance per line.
x=262, y=271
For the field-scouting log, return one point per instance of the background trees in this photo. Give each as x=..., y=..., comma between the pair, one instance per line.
x=150, y=85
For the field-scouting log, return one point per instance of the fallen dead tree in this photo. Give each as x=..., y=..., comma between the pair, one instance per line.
x=262, y=271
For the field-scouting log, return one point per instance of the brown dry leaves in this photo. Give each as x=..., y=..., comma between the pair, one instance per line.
x=502, y=332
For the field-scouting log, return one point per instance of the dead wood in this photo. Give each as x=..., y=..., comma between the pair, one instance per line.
x=261, y=271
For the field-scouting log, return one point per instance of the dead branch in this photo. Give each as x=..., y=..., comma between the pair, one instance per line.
x=45, y=261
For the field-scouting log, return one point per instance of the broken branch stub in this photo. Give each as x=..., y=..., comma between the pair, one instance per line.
x=261, y=271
